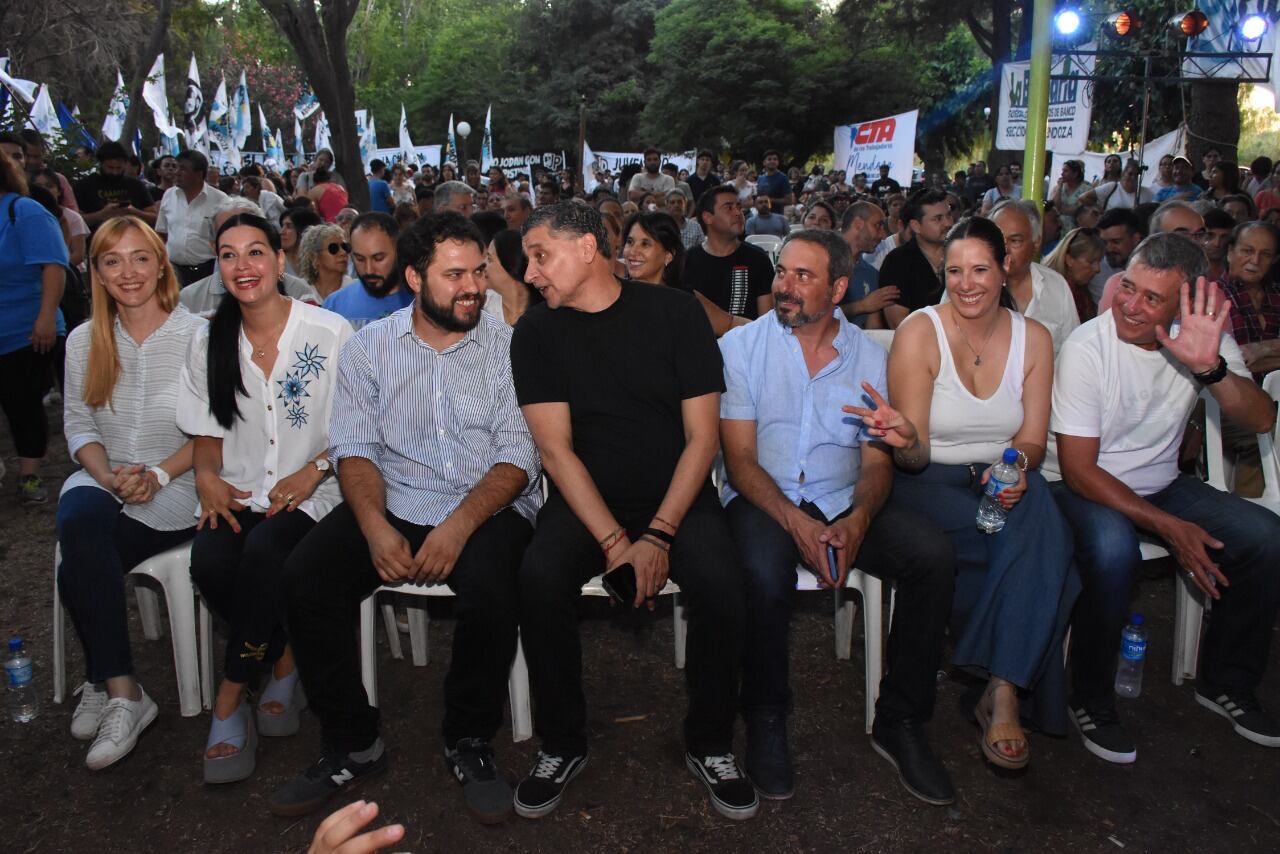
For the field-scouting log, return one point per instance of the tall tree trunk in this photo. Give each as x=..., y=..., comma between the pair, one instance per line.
x=155, y=43
x=321, y=44
x=1214, y=120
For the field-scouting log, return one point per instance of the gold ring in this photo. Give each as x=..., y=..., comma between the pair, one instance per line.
x=288, y=499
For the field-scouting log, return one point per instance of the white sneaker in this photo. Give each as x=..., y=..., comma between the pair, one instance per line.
x=88, y=714
x=122, y=722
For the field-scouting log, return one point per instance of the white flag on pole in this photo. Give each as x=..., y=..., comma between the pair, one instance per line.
x=113, y=124
x=219, y=125
x=406, y=144
x=300, y=156
x=44, y=118
x=486, y=142
x=322, y=133
x=193, y=105
x=25, y=89
x=156, y=97
x=265, y=130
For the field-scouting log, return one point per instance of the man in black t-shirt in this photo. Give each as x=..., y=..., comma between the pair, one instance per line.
x=620, y=384
x=703, y=178
x=109, y=192
x=914, y=268
x=734, y=275
x=884, y=185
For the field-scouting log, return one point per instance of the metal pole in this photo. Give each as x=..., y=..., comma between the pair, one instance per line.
x=1146, y=110
x=582, y=143
x=1038, y=103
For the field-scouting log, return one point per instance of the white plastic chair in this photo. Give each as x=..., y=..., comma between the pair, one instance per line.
x=517, y=683
x=770, y=243
x=172, y=571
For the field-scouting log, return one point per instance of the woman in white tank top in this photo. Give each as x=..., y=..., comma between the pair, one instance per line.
x=968, y=379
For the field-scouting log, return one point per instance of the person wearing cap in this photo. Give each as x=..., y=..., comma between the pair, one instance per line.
x=1182, y=188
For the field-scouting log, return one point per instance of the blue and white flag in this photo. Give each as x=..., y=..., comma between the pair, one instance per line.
x=25, y=89
x=73, y=128
x=113, y=124
x=362, y=137
x=300, y=154
x=276, y=151
x=306, y=104
x=322, y=133
x=265, y=130
x=242, y=118
x=44, y=118
x=219, y=127
x=486, y=143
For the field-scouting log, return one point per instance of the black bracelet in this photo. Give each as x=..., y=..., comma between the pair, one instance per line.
x=659, y=534
x=1215, y=375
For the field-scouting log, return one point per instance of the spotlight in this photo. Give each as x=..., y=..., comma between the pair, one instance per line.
x=1067, y=22
x=1252, y=27
x=1189, y=24
x=1123, y=25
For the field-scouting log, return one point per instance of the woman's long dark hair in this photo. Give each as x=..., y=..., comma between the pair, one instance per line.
x=662, y=228
x=510, y=251
x=223, y=359
x=980, y=228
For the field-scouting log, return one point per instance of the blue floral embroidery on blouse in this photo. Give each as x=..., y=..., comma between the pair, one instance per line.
x=292, y=388
x=309, y=360
x=297, y=415
x=294, y=385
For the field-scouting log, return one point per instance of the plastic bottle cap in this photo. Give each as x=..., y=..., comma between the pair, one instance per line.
x=1135, y=620
x=15, y=644
x=1010, y=456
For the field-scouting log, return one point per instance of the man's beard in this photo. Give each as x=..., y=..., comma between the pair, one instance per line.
x=378, y=287
x=793, y=321
x=443, y=316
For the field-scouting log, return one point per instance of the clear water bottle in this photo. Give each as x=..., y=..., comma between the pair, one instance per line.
x=1133, y=651
x=991, y=515
x=20, y=677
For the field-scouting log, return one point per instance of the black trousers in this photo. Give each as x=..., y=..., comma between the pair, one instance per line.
x=241, y=576
x=900, y=546
x=704, y=562
x=330, y=573
x=24, y=377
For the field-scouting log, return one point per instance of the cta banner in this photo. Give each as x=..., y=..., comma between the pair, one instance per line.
x=862, y=147
x=1070, y=104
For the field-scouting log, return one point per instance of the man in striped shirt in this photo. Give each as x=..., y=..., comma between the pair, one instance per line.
x=440, y=477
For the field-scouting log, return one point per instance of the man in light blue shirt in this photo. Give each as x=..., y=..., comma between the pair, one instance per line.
x=805, y=485
x=380, y=290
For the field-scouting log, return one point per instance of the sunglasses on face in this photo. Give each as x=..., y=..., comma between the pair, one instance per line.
x=334, y=248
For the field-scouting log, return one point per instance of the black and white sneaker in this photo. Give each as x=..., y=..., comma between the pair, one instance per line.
x=540, y=792
x=332, y=773
x=486, y=791
x=1246, y=714
x=1103, y=734
x=732, y=794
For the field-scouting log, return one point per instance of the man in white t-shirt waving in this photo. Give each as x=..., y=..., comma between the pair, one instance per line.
x=1125, y=388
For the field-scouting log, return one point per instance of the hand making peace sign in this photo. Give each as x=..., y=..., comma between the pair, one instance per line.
x=884, y=423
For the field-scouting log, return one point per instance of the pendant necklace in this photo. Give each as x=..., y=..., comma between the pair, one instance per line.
x=977, y=354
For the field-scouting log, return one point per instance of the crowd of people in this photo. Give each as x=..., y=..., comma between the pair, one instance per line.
x=511, y=389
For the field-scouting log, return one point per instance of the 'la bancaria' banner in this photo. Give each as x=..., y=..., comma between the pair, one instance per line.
x=1070, y=104
x=862, y=147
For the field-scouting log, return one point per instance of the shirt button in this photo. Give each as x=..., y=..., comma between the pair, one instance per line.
x=268, y=407
x=269, y=471
x=273, y=441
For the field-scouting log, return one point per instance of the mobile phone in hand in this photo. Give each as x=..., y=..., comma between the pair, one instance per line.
x=620, y=583
x=833, y=564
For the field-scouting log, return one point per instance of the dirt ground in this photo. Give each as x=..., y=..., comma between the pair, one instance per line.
x=1196, y=785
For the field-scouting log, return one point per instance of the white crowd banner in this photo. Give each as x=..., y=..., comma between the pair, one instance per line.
x=863, y=146
x=1174, y=142
x=616, y=160
x=1070, y=104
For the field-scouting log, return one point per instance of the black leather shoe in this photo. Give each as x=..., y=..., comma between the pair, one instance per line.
x=768, y=758
x=903, y=743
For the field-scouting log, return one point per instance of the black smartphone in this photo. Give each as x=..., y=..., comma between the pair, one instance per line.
x=620, y=582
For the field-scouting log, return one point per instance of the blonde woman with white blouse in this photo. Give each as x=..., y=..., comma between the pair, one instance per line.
x=134, y=495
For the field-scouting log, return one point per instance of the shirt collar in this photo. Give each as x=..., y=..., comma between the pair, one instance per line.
x=402, y=325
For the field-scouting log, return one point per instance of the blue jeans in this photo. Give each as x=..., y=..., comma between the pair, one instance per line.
x=900, y=546
x=1014, y=588
x=99, y=546
x=1234, y=653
